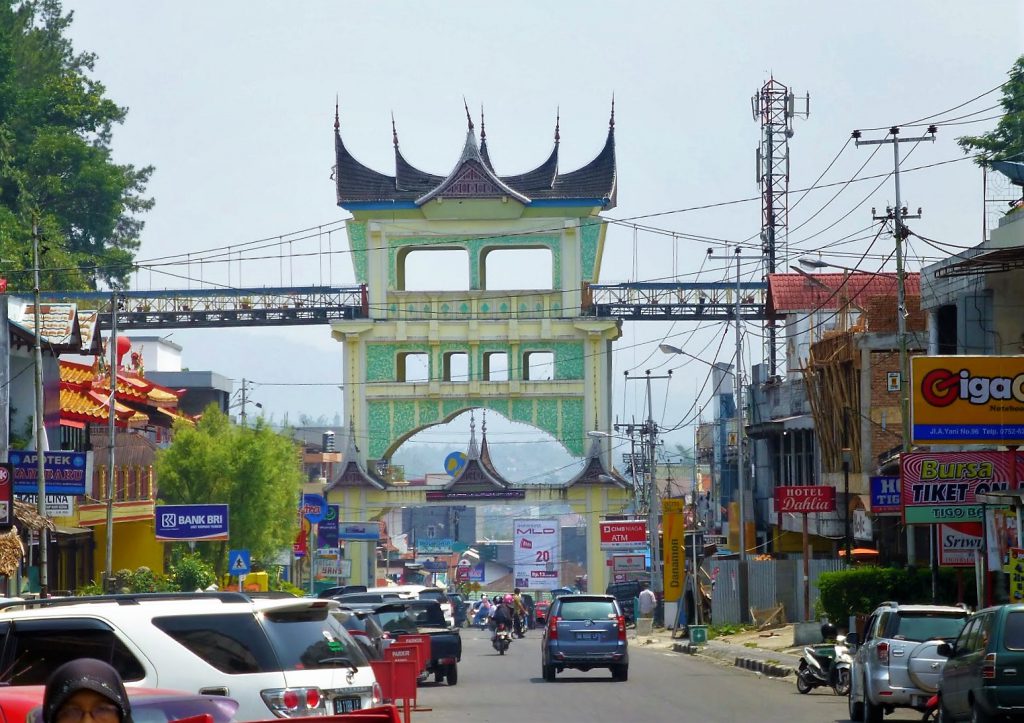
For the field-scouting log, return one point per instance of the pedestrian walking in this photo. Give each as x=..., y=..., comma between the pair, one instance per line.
x=648, y=601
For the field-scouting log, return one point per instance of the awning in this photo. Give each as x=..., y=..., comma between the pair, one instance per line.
x=778, y=425
x=73, y=531
x=990, y=262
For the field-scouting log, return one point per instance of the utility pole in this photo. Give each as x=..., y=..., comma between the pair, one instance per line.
x=897, y=215
x=244, y=401
x=44, y=568
x=650, y=431
x=108, y=564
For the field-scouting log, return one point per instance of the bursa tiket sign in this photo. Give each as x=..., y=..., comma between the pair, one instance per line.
x=201, y=523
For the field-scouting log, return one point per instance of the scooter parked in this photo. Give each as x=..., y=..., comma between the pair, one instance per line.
x=825, y=665
x=502, y=639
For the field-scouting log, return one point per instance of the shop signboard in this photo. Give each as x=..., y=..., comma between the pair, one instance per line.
x=959, y=542
x=943, y=486
x=199, y=523
x=623, y=534
x=805, y=499
x=885, y=496
x=66, y=472
x=967, y=400
x=674, y=566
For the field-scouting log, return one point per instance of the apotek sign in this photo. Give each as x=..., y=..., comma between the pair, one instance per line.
x=943, y=486
x=967, y=399
x=805, y=499
x=623, y=535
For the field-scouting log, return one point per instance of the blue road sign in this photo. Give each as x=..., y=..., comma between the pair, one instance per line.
x=178, y=523
x=238, y=562
x=313, y=508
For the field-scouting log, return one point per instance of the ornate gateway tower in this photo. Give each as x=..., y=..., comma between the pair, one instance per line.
x=492, y=335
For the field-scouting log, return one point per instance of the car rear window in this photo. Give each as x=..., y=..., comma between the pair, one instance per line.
x=233, y=643
x=1013, y=635
x=434, y=595
x=35, y=648
x=587, y=610
x=396, y=622
x=918, y=627
x=310, y=639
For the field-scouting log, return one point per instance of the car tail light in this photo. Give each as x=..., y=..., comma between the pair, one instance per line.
x=386, y=636
x=377, y=694
x=882, y=651
x=621, y=620
x=988, y=667
x=553, y=628
x=294, y=702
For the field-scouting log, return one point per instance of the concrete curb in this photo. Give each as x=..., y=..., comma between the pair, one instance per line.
x=764, y=667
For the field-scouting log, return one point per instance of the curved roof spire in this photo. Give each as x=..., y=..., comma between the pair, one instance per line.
x=558, y=122
x=394, y=131
x=474, y=451
x=337, y=122
x=469, y=118
x=611, y=119
x=484, y=154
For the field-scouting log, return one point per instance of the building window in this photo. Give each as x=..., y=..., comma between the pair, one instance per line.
x=413, y=367
x=456, y=366
x=517, y=269
x=496, y=366
x=538, y=366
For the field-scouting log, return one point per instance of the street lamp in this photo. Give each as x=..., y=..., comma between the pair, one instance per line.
x=740, y=470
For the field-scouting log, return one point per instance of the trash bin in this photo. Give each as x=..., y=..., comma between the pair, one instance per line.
x=698, y=634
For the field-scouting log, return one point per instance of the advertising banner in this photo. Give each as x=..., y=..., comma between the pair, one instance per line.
x=1016, y=570
x=628, y=563
x=805, y=499
x=624, y=535
x=66, y=472
x=885, y=496
x=327, y=530
x=1002, y=530
x=434, y=546
x=358, y=530
x=967, y=399
x=6, y=496
x=674, y=564
x=958, y=543
x=942, y=486
x=536, y=553
x=56, y=505
x=181, y=523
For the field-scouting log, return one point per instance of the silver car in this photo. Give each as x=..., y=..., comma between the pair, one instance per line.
x=897, y=665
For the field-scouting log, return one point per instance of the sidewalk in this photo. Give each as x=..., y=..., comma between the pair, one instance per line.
x=769, y=652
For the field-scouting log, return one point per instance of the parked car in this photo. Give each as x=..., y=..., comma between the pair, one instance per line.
x=366, y=598
x=277, y=657
x=366, y=631
x=151, y=705
x=340, y=590
x=983, y=678
x=584, y=632
x=540, y=610
x=424, y=617
x=897, y=664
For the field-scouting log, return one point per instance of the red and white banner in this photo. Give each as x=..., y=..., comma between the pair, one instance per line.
x=958, y=541
x=624, y=535
x=805, y=499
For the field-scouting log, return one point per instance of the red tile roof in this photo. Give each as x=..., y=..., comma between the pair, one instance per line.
x=796, y=292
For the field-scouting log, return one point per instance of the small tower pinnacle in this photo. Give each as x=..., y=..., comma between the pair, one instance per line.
x=337, y=123
x=558, y=122
x=394, y=131
x=483, y=129
x=469, y=118
x=611, y=120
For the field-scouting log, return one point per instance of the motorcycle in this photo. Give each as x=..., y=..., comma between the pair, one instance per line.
x=931, y=709
x=827, y=664
x=502, y=639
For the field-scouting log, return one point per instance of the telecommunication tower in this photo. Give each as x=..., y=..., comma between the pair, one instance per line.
x=775, y=106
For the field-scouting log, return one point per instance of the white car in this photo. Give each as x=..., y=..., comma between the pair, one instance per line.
x=283, y=657
x=422, y=592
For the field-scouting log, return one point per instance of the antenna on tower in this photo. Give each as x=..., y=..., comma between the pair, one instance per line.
x=775, y=106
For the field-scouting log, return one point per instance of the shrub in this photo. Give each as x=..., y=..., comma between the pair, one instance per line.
x=860, y=589
x=192, y=572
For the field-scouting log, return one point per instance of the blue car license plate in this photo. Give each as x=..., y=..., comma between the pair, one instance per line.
x=588, y=636
x=346, y=705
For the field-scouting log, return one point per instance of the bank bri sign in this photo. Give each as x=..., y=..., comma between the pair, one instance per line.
x=200, y=523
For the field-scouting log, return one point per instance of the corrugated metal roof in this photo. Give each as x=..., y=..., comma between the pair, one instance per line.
x=799, y=292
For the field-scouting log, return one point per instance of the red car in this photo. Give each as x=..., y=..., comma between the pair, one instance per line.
x=23, y=704
x=540, y=610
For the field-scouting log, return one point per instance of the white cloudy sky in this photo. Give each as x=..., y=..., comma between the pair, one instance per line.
x=233, y=102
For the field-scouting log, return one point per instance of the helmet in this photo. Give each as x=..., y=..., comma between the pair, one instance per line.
x=508, y=599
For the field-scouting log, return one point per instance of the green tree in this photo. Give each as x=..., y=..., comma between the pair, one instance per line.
x=256, y=471
x=56, y=167
x=1006, y=141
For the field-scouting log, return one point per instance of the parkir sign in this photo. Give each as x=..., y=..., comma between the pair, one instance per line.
x=967, y=399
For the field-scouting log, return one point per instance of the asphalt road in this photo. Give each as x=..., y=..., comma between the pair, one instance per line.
x=662, y=686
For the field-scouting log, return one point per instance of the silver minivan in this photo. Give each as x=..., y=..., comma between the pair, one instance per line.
x=584, y=632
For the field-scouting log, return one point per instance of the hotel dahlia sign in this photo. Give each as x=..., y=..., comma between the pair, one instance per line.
x=942, y=487
x=805, y=499
x=967, y=399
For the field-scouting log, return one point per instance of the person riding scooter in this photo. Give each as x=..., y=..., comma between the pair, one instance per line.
x=519, y=609
x=503, y=615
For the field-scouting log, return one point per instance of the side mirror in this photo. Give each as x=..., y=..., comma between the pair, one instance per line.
x=851, y=639
x=945, y=650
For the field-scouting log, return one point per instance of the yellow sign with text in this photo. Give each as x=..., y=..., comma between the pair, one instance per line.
x=674, y=564
x=967, y=399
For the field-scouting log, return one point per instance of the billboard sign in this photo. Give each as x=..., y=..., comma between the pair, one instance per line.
x=56, y=505
x=623, y=534
x=672, y=529
x=434, y=546
x=7, y=496
x=805, y=499
x=628, y=563
x=359, y=531
x=959, y=542
x=182, y=523
x=327, y=530
x=66, y=472
x=313, y=507
x=536, y=553
x=967, y=399
x=885, y=496
x=943, y=486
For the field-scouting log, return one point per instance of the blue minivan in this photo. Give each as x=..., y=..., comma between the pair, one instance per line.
x=584, y=632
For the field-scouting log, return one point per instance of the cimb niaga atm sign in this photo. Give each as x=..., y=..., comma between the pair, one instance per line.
x=623, y=534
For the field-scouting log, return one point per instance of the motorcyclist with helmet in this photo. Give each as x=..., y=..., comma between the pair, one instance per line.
x=504, y=614
x=519, y=609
